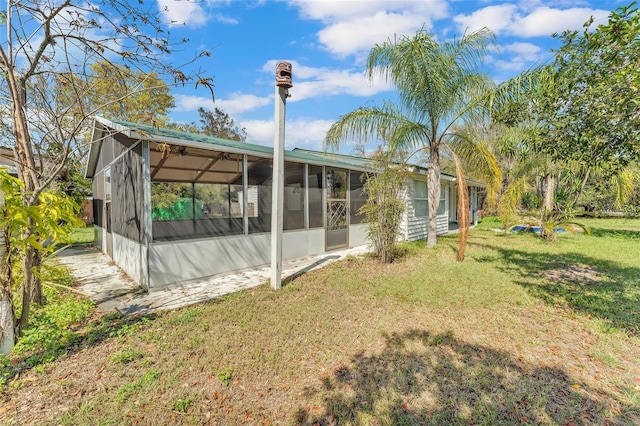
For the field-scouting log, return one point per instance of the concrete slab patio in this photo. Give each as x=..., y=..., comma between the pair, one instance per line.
x=112, y=290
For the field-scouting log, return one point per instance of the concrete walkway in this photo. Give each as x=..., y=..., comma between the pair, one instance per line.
x=112, y=290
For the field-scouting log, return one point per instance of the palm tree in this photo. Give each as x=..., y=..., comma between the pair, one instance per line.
x=440, y=87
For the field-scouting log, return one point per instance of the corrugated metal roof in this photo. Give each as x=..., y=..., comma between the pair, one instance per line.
x=176, y=137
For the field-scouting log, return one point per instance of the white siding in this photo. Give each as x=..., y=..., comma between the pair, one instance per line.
x=417, y=228
x=128, y=254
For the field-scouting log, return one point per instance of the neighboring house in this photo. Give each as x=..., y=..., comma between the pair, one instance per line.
x=171, y=206
x=7, y=160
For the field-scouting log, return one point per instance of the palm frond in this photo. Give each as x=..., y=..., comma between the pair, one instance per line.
x=623, y=183
x=462, y=205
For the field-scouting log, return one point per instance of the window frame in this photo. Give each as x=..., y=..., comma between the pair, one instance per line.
x=421, y=200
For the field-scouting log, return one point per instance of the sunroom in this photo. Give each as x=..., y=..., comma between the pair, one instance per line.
x=172, y=207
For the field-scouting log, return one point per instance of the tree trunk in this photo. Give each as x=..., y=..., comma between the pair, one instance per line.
x=548, y=188
x=36, y=285
x=433, y=186
x=27, y=290
x=28, y=172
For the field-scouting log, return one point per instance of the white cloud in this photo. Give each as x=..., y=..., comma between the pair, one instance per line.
x=182, y=12
x=189, y=103
x=361, y=34
x=225, y=19
x=513, y=65
x=236, y=103
x=527, y=51
x=355, y=26
x=299, y=133
x=496, y=18
x=544, y=20
x=310, y=82
x=528, y=22
x=516, y=57
x=334, y=10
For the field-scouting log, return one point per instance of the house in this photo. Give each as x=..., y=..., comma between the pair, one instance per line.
x=171, y=206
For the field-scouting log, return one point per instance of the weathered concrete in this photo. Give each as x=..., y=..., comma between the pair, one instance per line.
x=113, y=290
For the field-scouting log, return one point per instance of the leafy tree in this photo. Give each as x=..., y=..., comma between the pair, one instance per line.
x=594, y=108
x=577, y=117
x=439, y=85
x=46, y=62
x=220, y=124
x=118, y=91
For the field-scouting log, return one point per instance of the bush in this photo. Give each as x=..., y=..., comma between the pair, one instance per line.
x=385, y=206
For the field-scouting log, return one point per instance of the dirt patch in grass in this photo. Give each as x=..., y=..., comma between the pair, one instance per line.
x=574, y=273
x=426, y=340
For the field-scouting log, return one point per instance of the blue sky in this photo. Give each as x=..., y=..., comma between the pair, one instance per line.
x=327, y=43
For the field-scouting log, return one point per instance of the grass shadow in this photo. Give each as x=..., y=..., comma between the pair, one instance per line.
x=616, y=233
x=426, y=379
x=588, y=285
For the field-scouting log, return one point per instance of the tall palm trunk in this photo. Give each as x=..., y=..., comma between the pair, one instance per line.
x=548, y=188
x=433, y=187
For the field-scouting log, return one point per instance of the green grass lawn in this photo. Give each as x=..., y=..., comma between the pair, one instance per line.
x=521, y=332
x=82, y=235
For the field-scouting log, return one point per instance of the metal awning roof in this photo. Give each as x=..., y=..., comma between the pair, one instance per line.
x=103, y=127
x=196, y=144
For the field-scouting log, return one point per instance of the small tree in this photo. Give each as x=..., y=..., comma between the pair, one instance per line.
x=385, y=206
x=221, y=125
x=51, y=218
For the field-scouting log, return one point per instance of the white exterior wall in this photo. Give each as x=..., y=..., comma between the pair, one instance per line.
x=129, y=255
x=417, y=228
x=358, y=235
x=98, y=238
x=177, y=261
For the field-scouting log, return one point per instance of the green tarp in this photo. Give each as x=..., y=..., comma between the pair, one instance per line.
x=180, y=210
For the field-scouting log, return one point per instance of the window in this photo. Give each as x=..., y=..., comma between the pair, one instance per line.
x=219, y=200
x=260, y=173
x=442, y=206
x=196, y=194
x=293, y=196
x=173, y=201
x=420, y=199
x=356, y=196
x=315, y=197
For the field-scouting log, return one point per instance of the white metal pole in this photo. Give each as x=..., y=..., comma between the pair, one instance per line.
x=283, y=83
